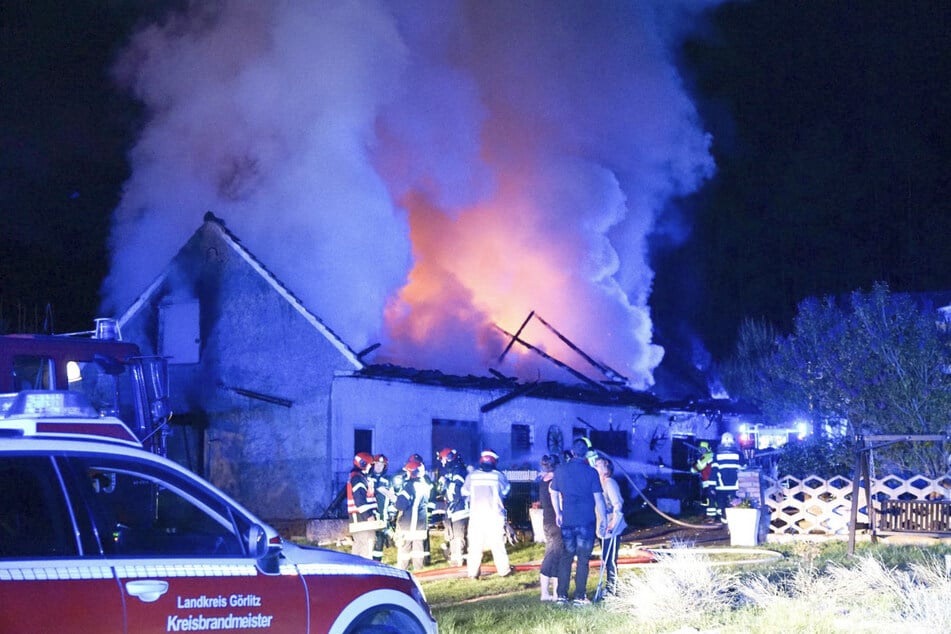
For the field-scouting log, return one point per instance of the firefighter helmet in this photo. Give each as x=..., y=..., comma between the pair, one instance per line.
x=412, y=468
x=581, y=447
x=704, y=446
x=489, y=458
x=381, y=459
x=362, y=461
x=447, y=455
x=727, y=439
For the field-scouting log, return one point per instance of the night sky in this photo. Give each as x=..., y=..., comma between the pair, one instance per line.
x=833, y=147
x=830, y=133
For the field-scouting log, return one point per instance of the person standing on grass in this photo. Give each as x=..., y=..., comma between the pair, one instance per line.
x=452, y=476
x=554, y=547
x=361, y=506
x=611, y=525
x=412, y=522
x=486, y=488
x=385, y=499
x=578, y=501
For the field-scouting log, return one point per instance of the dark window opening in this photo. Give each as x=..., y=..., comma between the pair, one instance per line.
x=362, y=441
x=521, y=438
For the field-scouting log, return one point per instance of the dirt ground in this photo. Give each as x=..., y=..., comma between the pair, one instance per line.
x=666, y=533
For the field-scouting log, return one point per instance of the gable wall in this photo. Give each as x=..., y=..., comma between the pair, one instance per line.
x=273, y=459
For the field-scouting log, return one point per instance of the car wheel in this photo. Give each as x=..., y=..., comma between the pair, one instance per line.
x=385, y=619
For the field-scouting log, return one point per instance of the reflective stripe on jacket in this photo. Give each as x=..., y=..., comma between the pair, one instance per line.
x=726, y=468
x=361, y=502
x=412, y=524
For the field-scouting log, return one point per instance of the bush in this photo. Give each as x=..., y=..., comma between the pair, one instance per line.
x=817, y=456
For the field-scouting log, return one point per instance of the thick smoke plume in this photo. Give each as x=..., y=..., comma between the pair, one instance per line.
x=420, y=172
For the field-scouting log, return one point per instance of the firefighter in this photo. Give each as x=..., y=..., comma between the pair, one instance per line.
x=361, y=506
x=590, y=455
x=726, y=473
x=412, y=521
x=708, y=486
x=451, y=478
x=486, y=488
x=426, y=480
x=385, y=499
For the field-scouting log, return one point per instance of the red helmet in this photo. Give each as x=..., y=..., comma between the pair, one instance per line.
x=381, y=459
x=447, y=455
x=412, y=468
x=489, y=457
x=362, y=461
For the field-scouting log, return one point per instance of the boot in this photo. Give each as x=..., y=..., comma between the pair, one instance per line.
x=546, y=588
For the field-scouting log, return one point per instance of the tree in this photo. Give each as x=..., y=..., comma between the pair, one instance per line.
x=878, y=365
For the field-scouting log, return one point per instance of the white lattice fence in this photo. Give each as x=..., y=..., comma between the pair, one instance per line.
x=814, y=505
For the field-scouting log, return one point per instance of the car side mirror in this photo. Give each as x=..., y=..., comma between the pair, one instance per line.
x=258, y=545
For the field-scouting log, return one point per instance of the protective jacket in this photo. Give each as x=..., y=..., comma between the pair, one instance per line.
x=450, y=483
x=412, y=505
x=381, y=485
x=704, y=466
x=361, y=503
x=726, y=468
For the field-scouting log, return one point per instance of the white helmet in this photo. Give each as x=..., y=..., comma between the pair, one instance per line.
x=727, y=438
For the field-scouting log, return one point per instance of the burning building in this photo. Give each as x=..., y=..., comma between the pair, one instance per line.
x=423, y=177
x=271, y=404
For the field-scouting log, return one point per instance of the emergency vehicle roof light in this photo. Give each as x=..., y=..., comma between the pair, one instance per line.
x=61, y=404
x=61, y=414
x=107, y=328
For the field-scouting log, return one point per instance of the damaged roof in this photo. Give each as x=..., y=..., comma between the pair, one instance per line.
x=610, y=396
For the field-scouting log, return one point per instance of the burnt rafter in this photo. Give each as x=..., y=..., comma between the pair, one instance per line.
x=544, y=355
x=614, y=378
x=514, y=338
x=367, y=350
x=605, y=369
x=521, y=390
x=259, y=396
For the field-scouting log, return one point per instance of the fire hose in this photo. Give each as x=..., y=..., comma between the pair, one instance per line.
x=706, y=527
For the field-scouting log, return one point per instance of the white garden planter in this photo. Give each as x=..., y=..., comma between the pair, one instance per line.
x=744, y=526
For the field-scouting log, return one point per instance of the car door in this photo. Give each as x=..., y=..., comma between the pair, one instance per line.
x=180, y=552
x=52, y=578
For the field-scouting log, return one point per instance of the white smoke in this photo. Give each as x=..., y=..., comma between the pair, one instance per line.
x=426, y=167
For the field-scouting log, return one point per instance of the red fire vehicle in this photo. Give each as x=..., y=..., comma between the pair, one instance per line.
x=113, y=374
x=97, y=535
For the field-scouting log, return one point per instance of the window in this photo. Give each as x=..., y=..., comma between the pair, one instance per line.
x=139, y=510
x=461, y=435
x=33, y=373
x=34, y=521
x=521, y=437
x=362, y=441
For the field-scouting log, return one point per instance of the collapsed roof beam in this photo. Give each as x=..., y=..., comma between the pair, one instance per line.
x=514, y=337
x=560, y=364
x=605, y=369
x=267, y=398
x=514, y=394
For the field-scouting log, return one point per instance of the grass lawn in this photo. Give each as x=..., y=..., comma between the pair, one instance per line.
x=810, y=588
x=807, y=587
